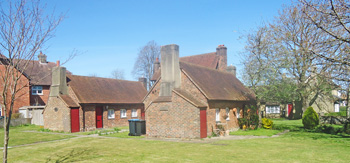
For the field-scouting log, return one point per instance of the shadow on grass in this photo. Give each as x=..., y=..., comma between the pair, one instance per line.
x=72, y=156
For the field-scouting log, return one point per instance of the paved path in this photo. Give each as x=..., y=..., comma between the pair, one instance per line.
x=205, y=140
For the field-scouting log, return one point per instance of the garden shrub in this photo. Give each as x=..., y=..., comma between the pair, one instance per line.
x=310, y=118
x=267, y=123
x=242, y=122
x=328, y=129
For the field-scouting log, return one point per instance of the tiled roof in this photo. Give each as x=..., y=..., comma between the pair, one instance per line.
x=209, y=60
x=69, y=101
x=217, y=85
x=39, y=73
x=105, y=90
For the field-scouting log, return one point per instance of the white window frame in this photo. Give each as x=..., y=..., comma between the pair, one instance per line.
x=273, y=109
x=36, y=89
x=217, y=115
x=228, y=113
x=111, y=114
x=133, y=112
x=237, y=112
x=122, y=113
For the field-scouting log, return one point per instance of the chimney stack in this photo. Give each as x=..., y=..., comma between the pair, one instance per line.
x=143, y=80
x=231, y=69
x=42, y=58
x=156, y=65
x=59, y=82
x=221, y=51
x=170, y=70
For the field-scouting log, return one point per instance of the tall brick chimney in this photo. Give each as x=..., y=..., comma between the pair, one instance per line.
x=59, y=82
x=221, y=51
x=170, y=70
x=231, y=69
x=42, y=58
x=156, y=65
x=143, y=80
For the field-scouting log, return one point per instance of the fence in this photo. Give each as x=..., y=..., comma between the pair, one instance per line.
x=16, y=122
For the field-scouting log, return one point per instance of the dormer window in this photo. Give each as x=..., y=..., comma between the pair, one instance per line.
x=37, y=90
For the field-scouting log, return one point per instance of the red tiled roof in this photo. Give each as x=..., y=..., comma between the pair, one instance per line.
x=209, y=60
x=217, y=85
x=69, y=101
x=104, y=90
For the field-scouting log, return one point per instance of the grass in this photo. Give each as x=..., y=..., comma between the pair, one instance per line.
x=295, y=146
x=123, y=135
x=258, y=132
x=19, y=136
x=291, y=147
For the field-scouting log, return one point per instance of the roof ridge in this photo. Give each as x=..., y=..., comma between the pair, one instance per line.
x=199, y=54
x=102, y=78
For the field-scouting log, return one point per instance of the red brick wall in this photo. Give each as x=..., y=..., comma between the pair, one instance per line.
x=178, y=119
x=40, y=99
x=22, y=97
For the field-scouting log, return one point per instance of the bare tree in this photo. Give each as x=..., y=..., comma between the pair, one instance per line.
x=286, y=46
x=118, y=74
x=144, y=62
x=24, y=29
x=332, y=18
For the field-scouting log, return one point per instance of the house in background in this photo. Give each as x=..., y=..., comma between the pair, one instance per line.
x=188, y=100
x=81, y=103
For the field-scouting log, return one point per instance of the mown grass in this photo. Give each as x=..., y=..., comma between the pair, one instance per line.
x=123, y=135
x=258, y=132
x=19, y=136
x=291, y=147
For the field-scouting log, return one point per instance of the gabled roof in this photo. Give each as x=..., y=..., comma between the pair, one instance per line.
x=209, y=60
x=188, y=97
x=39, y=73
x=104, y=90
x=217, y=85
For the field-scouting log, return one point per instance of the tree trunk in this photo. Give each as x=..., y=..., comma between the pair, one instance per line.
x=6, y=138
x=347, y=101
x=258, y=104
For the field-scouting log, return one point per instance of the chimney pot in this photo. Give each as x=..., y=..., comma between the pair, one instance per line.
x=58, y=63
x=42, y=57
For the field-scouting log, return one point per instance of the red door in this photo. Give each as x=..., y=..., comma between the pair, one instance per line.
x=98, y=117
x=290, y=108
x=203, y=123
x=74, y=120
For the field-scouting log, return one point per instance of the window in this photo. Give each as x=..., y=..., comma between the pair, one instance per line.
x=122, y=113
x=272, y=109
x=133, y=113
x=37, y=90
x=228, y=114
x=111, y=114
x=238, y=112
x=217, y=115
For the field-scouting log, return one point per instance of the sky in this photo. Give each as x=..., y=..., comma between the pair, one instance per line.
x=109, y=33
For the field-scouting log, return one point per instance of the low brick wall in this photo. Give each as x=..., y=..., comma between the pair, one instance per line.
x=16, y=122
x=332, y=120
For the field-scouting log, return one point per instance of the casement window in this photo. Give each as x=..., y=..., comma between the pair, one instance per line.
x=228, y=114
x=272, y=109
x=133, y=113
x=237, y=113
x=122, y=113
x=111, y=114
x=37, y=90
x=217, y=115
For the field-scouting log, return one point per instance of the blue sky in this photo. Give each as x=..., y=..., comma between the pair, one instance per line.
x=109, y=33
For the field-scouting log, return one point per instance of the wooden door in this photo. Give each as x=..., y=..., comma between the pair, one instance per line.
x=98, y=117
x=74, y=120
x=203, y=123
x=290, y=108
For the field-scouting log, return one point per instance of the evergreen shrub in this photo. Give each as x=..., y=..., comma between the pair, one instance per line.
x=310, y=118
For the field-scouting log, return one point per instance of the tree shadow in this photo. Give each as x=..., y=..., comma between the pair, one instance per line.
x=71, y=156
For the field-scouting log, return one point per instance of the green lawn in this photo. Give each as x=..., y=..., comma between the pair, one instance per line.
x=291, y=147
x=258, y=132
x=294, y=146
x=18, y=136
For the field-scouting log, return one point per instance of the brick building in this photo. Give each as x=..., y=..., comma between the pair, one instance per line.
x=37, y=79
x=192, y=95
x=81, y=103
